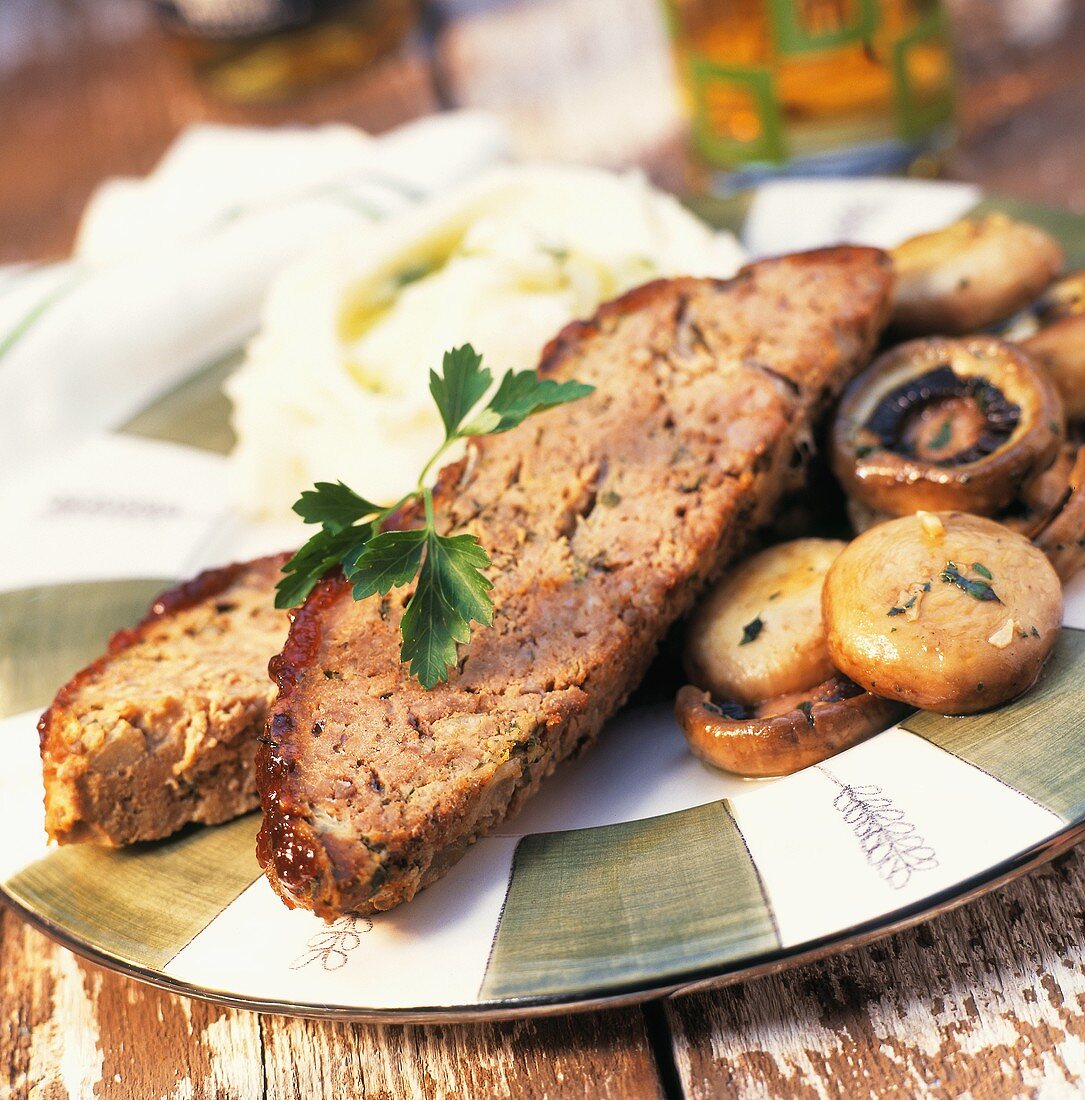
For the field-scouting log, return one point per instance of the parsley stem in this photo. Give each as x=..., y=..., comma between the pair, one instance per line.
x=432, y=462
x=384, y=513
x=427, y=500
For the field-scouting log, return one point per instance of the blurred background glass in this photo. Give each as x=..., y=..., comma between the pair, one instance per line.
x=813, y=87
x=588, y=81
x=265, y=51
x=92, y=88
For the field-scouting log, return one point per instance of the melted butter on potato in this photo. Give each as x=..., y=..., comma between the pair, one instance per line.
x=954, y=624
x=759, y=634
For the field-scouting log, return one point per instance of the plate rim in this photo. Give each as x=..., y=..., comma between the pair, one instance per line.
x=696, y=980
x=722, y=213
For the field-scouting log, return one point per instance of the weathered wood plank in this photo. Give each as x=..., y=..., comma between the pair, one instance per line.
x=988, y=1001
x=602, y=1056
x=70, y=1030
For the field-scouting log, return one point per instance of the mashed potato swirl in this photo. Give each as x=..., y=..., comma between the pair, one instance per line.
x=334, y=385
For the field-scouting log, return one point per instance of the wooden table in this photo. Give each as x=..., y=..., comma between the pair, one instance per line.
x=987, y=1001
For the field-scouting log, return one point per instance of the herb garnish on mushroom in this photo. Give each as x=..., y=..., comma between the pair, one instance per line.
x=957, y=654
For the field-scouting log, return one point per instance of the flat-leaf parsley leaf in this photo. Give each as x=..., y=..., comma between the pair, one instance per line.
x=452, y=589
x=333, y=506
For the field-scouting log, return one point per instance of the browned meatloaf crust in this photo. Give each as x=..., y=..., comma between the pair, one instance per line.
x=161, y=730
x=603, y=519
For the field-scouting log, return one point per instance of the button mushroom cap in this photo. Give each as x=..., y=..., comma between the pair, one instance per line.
x=783, y=735
x=949, y=612
x=970, y=274
x=1062, y=538
x=1060, y=349
x=940, y=424
x=759, y=633
x=1042, y=497
x=1063, y=298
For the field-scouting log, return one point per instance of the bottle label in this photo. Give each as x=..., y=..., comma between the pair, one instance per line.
x=826, y=77
x=736, y=114
x=806, y=27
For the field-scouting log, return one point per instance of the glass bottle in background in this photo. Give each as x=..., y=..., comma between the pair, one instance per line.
x=253, y=52
x=813, y=87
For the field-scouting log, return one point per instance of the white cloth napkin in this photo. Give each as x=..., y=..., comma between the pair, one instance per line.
x=791, y=215
x=169, y=271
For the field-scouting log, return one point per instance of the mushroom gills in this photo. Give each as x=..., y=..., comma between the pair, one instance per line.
x=929, y=415
x=785, y=734
x=941, y=424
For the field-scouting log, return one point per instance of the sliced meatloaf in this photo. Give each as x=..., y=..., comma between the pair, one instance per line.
x=161, y=730
x=603, y=518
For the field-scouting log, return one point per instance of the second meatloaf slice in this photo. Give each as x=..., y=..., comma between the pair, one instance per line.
x=161, y=730
x=603, y=519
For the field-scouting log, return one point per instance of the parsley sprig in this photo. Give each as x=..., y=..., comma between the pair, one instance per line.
x=452, y=590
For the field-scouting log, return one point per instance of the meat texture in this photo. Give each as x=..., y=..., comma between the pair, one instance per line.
x=161, y=730
x=603, y=518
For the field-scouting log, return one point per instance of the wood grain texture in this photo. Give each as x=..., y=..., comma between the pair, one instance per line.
x=70, y=1030
x=602, y=1055
x=984, y=1002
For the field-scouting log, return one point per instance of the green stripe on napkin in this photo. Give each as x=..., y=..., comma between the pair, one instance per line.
x=626, y=904
x=195, y=413
x=1036, y=744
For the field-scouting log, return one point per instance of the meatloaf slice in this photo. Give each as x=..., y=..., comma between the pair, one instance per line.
x=161, y=730
x=603, y=518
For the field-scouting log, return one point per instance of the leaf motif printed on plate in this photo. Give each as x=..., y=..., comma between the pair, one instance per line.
x=331, y=946
x=892, y=845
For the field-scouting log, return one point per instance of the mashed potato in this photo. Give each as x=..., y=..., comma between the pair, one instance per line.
x=334, y=386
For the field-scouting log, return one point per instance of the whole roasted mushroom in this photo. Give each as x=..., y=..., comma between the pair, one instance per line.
x=785, y=734
x=949, y=612
x=1062, y=538
x=1052, y=331
x=942, y=424
x=970, y=274
x=759, y=634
